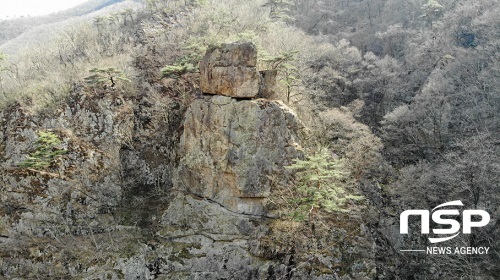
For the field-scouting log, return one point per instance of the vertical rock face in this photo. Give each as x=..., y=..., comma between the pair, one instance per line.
x=267, y=83
x=230, y=70
x=231, y=149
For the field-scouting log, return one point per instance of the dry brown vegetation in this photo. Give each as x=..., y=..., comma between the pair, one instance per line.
x=408, y=97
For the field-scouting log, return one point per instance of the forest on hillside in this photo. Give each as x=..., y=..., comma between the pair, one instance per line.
x=406, y=93
x=431, y=94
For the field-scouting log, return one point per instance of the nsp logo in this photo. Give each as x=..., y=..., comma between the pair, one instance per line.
x=454, y=228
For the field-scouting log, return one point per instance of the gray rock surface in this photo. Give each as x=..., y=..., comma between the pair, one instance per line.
x=230, y=70
x=267, y=83
x=230, y=149
x=148, y=190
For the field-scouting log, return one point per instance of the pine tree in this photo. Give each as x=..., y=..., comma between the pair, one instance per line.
x=288, y=72
x=47, y=150
x=318, y=185
x=106, y=77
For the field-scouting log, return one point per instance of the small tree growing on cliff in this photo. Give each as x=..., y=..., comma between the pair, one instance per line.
x=287, y=71
x=106, y=77
x=188, y=63
x=279, y=9
x=47, y=150
x=318, y=183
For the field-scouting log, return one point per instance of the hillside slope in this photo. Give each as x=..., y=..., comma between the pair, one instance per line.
x=18, y=33
x=427, y=74
x=116, y=163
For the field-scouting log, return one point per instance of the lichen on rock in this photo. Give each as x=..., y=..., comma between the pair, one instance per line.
x=230, y=70
x=231, y=149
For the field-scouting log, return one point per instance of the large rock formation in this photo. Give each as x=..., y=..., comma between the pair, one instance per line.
x=231, y=70
x=231, y=149
x=154, y=188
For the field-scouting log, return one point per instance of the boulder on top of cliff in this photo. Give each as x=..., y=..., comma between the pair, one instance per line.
x=230, y=70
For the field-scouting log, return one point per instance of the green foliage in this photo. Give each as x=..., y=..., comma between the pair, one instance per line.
x=106, y=77
x=277, y=61
x=156, y=7
x=289, y=76
x=319, y=186
x=177, y=70
x=290, y=79
x=47, y=150
x=279, y=9
x=188, y=63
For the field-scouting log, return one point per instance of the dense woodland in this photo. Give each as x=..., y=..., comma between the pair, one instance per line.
x=407, y=92
x=431, y=94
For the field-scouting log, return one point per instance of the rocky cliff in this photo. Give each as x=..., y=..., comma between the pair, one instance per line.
x=157, y=188
x=232, y=148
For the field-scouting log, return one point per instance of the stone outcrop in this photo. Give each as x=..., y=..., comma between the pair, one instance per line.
x=231, y=70
x=155, y=188
x=267, y=86
x=231, y=149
